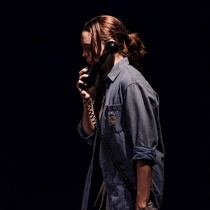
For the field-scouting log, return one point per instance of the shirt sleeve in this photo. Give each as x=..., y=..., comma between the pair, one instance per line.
x=88, y=138
x=141, y=104
x=144, y=153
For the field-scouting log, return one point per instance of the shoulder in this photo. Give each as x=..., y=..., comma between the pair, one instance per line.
x=124, y=76
x=132, y=80
x=123, y=71
x=130, y=75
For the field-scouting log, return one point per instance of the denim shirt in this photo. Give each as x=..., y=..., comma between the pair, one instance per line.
x=130, y=124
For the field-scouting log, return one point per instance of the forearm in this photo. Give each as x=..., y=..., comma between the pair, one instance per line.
x=144, y=178
x=87, y=117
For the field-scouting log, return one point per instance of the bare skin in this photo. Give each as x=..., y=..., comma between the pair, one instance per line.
x=144, y=178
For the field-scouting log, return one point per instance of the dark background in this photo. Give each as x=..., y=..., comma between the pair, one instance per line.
x=43, y=161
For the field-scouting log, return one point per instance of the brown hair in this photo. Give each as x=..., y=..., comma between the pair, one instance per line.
x=106, y=27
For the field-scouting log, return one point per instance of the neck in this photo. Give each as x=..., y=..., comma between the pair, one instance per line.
x=111, y=62
x=118, y=57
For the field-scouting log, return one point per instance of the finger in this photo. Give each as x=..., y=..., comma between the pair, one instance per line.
x=81, y=84
x=83, y=71
x=83, y=93
x=83, y=76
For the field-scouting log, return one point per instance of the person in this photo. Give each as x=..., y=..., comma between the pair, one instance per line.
x=120, y=108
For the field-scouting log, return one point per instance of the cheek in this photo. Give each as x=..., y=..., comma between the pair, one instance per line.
x=89, y=56
x=86, y=53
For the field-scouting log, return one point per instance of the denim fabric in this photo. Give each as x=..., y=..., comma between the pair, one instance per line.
x=130, y=124
x=151, y=206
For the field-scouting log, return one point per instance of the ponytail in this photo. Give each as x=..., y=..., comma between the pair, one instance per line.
x=135, y=50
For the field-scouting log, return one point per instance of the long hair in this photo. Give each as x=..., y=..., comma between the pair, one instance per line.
x=106, y=27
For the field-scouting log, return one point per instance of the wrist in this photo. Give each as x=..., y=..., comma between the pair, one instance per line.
x=87, y=101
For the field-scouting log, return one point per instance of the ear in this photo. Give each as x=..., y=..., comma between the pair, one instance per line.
x=112, y=46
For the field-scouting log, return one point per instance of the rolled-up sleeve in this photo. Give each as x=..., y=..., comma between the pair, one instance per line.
x=88, y=138
x=144, y=153
x=141, y=104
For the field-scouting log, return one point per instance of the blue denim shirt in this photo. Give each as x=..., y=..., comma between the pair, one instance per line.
x=131, y=125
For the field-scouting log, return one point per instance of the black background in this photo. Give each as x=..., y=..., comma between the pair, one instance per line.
x=43, y=161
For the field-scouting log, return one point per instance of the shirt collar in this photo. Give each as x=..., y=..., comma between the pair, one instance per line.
x=116, y=69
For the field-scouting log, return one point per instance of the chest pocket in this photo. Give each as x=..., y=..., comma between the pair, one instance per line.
x=114, y=118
